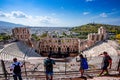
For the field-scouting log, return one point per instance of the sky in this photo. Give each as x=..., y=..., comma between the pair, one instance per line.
x=60, y=13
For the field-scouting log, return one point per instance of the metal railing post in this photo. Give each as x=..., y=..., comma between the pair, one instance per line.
x=28, y=51
x=4, y=69
x=118, y=67
x=65, y=65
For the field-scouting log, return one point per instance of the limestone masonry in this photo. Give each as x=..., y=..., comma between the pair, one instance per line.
x=62, y=45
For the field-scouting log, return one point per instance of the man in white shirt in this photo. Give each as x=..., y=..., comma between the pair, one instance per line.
x=16, y=68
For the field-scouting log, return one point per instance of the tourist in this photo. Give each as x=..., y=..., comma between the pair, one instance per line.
x=83, y=64
x=118, y=68
x=16, y=68
x=107, y=62
x=48, y=64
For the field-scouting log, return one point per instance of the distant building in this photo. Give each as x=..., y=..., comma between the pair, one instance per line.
x=22, y=34
x=101, y=35
x=93, y=38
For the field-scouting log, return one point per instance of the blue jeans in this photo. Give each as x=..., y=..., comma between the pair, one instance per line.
x=17, y=75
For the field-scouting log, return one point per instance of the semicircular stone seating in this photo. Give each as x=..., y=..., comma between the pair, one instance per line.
x=18, y=50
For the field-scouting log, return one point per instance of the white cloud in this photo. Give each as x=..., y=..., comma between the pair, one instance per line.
x=103, y=15
x=14, y=14
x=86, y=13
x=42, y=21
x=89, y=0
x=2, y=14
x=22, y=18
x=46, y=19
x=18, y=14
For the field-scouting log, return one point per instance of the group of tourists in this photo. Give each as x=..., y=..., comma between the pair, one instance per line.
x=48, y=65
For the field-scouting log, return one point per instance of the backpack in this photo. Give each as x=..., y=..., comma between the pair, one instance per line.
x=49, y=66
x=84, y=63
x=17, y=68
x=110, y=59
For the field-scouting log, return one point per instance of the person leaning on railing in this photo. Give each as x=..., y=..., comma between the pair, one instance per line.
x=16, y=68
x=48, y=64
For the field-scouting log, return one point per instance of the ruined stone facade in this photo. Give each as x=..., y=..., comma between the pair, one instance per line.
x=93, y=38
x=58, y=44
x=75, y=45
x=22, y=34
x=101, y=35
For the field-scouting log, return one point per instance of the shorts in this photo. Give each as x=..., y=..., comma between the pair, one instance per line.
x=105, y=66
x=49, y=73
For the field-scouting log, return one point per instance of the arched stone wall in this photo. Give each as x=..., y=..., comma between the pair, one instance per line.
x=56, y=43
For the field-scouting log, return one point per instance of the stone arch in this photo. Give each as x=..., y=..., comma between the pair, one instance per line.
x=50, y=49
x=102, y=37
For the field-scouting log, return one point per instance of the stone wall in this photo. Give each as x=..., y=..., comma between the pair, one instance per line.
x=62, y=45
x=22, y=34
x=93, y=38
x=58, y=44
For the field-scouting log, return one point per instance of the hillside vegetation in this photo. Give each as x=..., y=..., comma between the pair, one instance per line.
x=93, y=27
x=84, y=30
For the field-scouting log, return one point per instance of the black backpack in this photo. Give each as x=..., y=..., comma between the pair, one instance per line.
x=49, y=66
x=17, y=68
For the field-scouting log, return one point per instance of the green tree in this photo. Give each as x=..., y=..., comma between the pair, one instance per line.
x=84, y=30
x=43, y=35
x=64, y=34
x=34, y=36
x=118, y=36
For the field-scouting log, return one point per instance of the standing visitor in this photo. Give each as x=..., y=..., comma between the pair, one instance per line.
x=16, y=68
x=118, y=68
x=48, y=64
x=107, y=62
x=83, y=64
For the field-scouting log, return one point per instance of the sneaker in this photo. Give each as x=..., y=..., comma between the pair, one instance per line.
x=106, y=74
x=98, y=75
